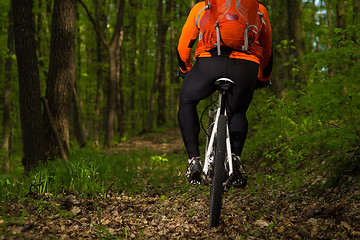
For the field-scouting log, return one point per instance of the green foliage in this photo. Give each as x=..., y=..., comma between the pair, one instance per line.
x=319, y=124
x=4, y=9
x=11, y=184
x=318, y=121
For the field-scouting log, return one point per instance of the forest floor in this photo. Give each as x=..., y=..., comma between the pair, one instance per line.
x=263, y=210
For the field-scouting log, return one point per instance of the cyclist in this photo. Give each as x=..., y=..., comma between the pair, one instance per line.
x=249, y=70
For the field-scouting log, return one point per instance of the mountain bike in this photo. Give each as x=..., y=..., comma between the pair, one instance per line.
x=218, y=165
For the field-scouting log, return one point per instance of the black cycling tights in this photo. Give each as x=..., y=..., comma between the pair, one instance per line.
x=199, y=84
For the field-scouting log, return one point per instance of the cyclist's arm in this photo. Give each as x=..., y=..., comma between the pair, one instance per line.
x=188, y=38
x=265, y=40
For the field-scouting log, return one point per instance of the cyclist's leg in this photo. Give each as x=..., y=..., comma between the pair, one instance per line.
x=198, y=84
x=244, y=73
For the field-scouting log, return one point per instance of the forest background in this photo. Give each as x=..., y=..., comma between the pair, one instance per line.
x=95, y=72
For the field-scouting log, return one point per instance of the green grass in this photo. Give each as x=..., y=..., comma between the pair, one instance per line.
x=92, y=172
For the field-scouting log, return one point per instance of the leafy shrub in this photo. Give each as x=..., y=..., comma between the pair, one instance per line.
x=320, y=122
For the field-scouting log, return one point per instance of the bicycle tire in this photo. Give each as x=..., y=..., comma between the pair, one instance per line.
x=217, y=187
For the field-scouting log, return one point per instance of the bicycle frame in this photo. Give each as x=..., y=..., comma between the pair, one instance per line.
x=209, y=148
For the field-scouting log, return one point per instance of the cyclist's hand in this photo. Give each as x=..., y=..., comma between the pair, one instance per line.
x=260, y=84
x=181, y=74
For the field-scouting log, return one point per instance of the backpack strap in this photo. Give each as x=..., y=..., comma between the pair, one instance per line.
x=207, y=6
x=246, y=35
x=218, y=39
x=261, y=15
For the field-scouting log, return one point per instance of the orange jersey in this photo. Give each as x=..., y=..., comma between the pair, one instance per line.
x=190, y=34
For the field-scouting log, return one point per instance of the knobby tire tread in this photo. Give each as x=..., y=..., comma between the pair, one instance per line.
x=217, y=188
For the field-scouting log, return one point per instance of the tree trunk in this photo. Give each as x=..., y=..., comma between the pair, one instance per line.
x=174, y=80
x=39, y=33
x=6, y=124
x=100, y=23
x=120, y=103
x=143, y=64
x=29, y=84
x=280, y=74
x=112, y=81
x=77, y=128
x=295, y=32
x=59, y=89
x=340, y=14
x=160, y=63
x=112, y=49
x=355, y=17
x=133, y=75
x=159, y=86
x=111, y=98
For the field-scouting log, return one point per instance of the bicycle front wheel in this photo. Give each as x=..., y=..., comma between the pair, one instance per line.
x=217, y=188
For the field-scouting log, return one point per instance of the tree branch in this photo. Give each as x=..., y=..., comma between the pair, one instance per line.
x=119, y=22
x=94, y=23
x=52, y=124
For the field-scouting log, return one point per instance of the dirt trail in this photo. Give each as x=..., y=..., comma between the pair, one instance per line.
x=261, y=211
x=168, y=141
x=246, y=215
